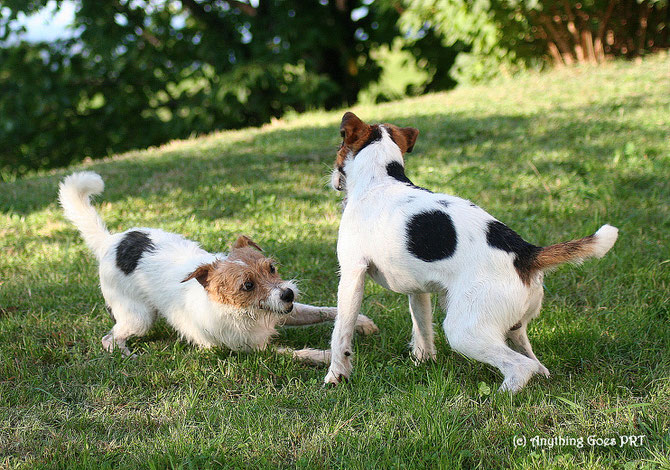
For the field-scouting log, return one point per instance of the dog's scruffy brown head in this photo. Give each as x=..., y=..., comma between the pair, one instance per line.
x=356, y=135
x=246, y=280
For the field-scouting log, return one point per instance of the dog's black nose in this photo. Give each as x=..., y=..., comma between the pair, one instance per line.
x=287, y=295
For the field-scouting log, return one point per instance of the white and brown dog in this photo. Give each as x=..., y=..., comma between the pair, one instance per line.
x=416, y=242
x=235, y=300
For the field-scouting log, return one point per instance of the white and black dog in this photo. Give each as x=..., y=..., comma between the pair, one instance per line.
x=234, y=300
x=416, y=242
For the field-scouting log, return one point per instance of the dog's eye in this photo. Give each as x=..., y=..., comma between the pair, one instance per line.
x=247, y=286
x=342, y=133
x=272, y=269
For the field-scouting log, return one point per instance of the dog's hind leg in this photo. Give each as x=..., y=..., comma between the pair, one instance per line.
x=519, y=338
x=304, y=314
x=423, y=343
x=518, y=334
x=473, y=328
x=132, y=318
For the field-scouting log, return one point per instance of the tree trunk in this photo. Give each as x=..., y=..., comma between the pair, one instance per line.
x=642, y=30
x=565, y=49
x=572, y=29
x=555, y=53
x=587, y=40
x=602, y=28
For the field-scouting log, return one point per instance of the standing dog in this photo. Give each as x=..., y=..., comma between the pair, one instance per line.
x=234, y=300
x=416, y=242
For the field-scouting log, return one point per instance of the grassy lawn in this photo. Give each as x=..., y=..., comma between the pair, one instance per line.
x=552, y=155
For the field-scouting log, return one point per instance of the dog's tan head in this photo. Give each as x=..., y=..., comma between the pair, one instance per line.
x=246, y=280
x=356, y=135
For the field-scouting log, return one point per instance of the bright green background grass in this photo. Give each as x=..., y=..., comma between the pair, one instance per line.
x=552, y=155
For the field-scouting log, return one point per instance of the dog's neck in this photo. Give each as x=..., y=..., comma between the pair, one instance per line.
x=370, y=167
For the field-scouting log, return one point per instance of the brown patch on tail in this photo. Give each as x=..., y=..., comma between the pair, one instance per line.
x=553, y=255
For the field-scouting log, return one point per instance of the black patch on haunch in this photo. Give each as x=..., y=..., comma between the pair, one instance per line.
x=375, y=136
x=396, y=171
x=431, y=236
x=500, y=236
x=131, y=249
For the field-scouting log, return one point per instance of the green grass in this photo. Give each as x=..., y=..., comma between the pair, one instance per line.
x=552, y=155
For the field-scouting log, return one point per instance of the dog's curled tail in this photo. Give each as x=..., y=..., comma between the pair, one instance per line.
x=74, y=194
x=576, y=251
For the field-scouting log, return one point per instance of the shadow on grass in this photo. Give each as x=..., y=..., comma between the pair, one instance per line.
x=495, y=144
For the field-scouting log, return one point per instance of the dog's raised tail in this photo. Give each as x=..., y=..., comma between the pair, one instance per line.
x=74, y=195
x=576, y=251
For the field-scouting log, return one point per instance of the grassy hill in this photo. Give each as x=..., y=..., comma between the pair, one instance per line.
x=552, y=155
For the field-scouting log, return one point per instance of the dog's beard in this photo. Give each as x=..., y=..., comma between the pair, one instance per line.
x=337, y=180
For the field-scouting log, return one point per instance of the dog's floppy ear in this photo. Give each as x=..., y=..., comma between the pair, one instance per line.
x=243, y=241
x=201, y=274
x=410, y=135
x=351, y=127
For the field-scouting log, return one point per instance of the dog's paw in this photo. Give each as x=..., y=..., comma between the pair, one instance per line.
x=335, y=378
x=419, y=356
x=365, y=325
x=108, y=343
x=543, y=371
x=514, y=383
x=511, y=385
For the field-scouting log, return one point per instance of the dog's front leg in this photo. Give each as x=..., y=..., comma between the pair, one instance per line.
x=315, y=357
x=349, y=298
x=304, y=314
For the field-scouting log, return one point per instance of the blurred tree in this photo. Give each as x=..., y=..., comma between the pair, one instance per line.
x=141, y=72
x=517, y=33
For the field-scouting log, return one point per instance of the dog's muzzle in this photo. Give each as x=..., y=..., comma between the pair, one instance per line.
x=287, y=295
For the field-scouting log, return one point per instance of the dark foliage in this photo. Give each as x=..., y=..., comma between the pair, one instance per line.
x=140, y=73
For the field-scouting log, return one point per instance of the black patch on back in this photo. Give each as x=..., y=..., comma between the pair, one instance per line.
x=431, y=236
x=500, y=236
x=375, y=136
x=131, y=249
x=396, y=171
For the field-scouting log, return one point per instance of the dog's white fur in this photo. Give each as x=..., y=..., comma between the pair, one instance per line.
x=156, y=286
x=484, y=297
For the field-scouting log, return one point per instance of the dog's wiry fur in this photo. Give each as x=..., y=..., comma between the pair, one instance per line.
x=235, y=300
x=413, y=241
